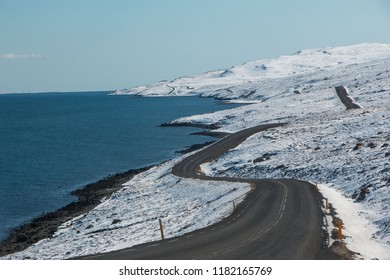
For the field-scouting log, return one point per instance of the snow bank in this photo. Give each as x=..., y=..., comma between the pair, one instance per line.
x=358, y=231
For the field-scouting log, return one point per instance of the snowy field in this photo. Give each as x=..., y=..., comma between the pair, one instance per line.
x=346, y=151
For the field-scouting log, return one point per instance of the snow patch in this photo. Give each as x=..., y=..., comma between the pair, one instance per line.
x=359, y=232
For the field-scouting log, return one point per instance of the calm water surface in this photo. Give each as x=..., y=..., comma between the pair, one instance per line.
x=53, y=143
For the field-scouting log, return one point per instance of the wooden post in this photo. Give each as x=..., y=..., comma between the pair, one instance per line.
x=340, y=233
x=252, y=187
x=161, y=229
x=326, y=204
x=234, y=207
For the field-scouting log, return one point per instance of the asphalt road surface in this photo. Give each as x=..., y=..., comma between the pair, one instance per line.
x=279, y=219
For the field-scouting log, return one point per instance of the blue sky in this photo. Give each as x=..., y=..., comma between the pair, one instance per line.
x=86, y=45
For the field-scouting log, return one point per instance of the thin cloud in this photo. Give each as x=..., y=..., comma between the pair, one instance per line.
x=21, y=56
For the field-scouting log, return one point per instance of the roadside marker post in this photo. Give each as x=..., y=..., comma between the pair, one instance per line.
x=326, y=203
x=161, y=229
x=340, y=232
x=234, y=207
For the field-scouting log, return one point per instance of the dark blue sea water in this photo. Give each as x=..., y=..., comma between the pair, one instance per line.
x=53, y=143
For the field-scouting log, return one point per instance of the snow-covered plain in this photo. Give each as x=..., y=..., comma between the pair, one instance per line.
x=347, y=151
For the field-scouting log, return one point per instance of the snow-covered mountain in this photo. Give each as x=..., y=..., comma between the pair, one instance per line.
x=346, y=151
x=264, y=78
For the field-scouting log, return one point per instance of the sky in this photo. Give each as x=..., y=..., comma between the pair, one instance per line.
x=91, y=45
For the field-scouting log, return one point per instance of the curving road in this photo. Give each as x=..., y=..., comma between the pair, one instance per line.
x=279, y=219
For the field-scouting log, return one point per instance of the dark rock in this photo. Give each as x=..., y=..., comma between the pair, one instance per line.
x=259, y=159
x=371, y=145
x=215, y=134
x=194, y=147
x=116, y=221
x=21, y=238
x=264, y=157
x=200, y=125
x=386, y=170
x=360, y=195
x=34, y=225
x=282, y=166
x=358, y=146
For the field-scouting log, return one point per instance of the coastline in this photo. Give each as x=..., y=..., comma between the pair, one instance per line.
x=45, y=226
x=88, y=197
x=313, y=123
x=20, y=235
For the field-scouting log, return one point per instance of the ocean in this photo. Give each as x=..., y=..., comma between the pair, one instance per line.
x=54, y=143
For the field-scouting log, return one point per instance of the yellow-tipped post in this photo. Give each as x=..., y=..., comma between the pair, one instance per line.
x=340, y=231
x=161, y=229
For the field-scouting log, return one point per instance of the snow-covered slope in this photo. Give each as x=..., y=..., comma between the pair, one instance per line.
x=348, y=152
x=264, y=78
x=322, y=142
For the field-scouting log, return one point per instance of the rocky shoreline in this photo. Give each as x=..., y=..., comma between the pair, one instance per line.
x=89, y=197
x=194, y=148
x=189, y=124
x=46, y=225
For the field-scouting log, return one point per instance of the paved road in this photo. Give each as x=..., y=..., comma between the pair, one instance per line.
x=279, y=219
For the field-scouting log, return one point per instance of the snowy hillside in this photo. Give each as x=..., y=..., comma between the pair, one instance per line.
x=264, y=78
x=346, y=151
x=349, y=150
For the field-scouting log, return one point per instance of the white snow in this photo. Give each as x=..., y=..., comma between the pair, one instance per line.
x=131, y=215
x=346, y=150
x=357, y=230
